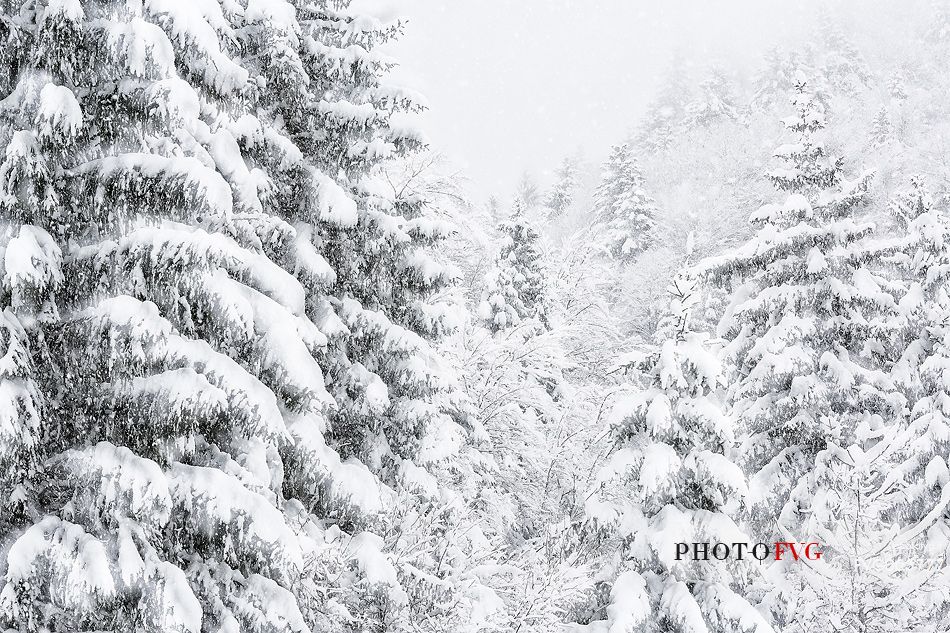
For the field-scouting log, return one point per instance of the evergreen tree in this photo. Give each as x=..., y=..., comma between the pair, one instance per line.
x=562, y=194
x=809, y=171
x=514, y=288
x=808, y=334
x=776, y=78
x=671, y=480
x=896, y=86
x=876, y=573
x=843, y=67
x=921, y=260
x=626, y=215
x=528, y=194
x=665, y=114
x=881, y=517
x=916, y=470
x=882, y=132
x=716, y=101
x=938, y=26
x=219, y=373
x=493, y=208
x=880, y=508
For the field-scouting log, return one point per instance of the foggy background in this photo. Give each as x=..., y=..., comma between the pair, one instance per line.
x=515, y=85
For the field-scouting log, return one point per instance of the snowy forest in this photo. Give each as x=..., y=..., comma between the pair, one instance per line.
x=267, y=364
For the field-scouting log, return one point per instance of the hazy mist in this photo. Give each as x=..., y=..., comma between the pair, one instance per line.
x=515, y=85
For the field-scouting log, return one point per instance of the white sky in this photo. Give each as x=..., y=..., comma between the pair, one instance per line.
x=515, y=85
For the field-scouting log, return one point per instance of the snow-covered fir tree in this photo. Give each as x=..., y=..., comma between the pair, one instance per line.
x=938, y=23
x=515, y=285
x=493, y=207
x=671, y=479
x=809, y=171
x=776, y=78
x=881, y=514
x=879, y=504
x=807, y=335
x=842, y=65
x=665, y=114
x=915, y=474
x=241, y=390
x=882, y=131
x=715, y=102
x=528, y=193
x=876, y=572
x=625, y=214
x=921, y=259
x=222, y=402
x=897, y=86
x=562, y=194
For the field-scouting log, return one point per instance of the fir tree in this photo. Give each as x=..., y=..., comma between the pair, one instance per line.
x=667, y=110
x=562, y=194
x=878, y=505
x=716, y=101
x=217, y=335
x=807, y=334
x=938, y=26
x=921, y=260
x=514, y=289
x=493, y=208
x=776, y=78
x=809, y=171
x=916, y=473
x=842, y=65
x=896, y=86
x=876, y=572
x=882, y=132
x=671, y=480
x=626, y=215
x=528, y=194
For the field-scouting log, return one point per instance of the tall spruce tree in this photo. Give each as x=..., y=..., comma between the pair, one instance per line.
x=842, y=64
x=776, y=78
x=665, y=114
x=921, y=259
x=938, y=25
x=625, y=214
x=915, y=479
x=878, y=506
x=882, y=130
x=562, y=194
x=527, y=194
x=716, y=100
x=218, y=373
x=515, y=287
x=807, y=325
x=897, y=86
x=807, y=335
x=671, y=480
